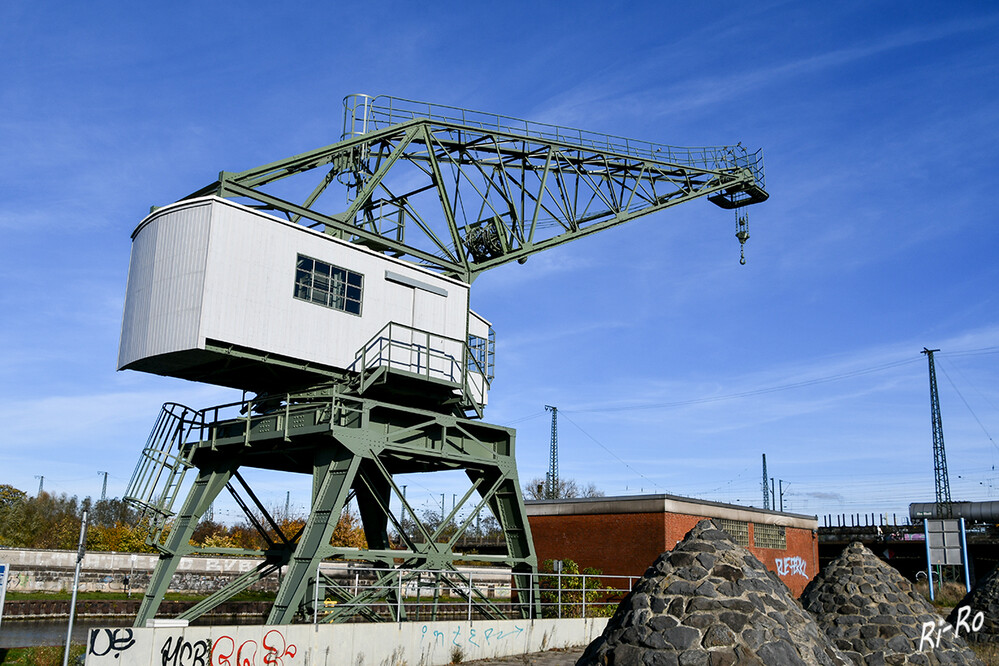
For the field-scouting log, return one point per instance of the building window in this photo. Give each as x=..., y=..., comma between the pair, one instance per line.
x=769, y=536
x=482, y=354
x=738, y=530
x=329, y=285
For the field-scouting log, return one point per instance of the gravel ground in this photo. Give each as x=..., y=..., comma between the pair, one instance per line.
x=550, y=658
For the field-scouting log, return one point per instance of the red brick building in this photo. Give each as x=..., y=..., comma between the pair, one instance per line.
x=624, y=535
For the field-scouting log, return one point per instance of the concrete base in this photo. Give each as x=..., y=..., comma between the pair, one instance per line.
x=372, y=644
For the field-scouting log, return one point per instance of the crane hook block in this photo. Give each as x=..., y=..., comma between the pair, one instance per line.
x=742, y=233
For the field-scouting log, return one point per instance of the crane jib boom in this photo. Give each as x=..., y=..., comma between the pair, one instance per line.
x=461, y=191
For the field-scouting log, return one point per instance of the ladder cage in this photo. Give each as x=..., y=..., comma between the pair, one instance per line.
x=161, y=468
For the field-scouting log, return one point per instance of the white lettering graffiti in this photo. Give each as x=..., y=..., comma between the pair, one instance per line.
x=791, y=566
x=933, y=631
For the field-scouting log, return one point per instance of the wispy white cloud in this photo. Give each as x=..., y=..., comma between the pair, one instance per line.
x=842, y=376
x=702, y=89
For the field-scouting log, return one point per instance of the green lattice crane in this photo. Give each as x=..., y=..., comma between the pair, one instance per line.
x=333, y=287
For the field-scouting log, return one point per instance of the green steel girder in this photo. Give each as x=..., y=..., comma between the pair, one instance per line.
x=266, y=568
x=352, y=447
x=334, y=472
x=211, y=479
x=367, y=425
x=461, y=196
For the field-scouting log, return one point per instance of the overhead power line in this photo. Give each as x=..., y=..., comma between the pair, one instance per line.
x=966, y=404
x=972, y=352
x=781, y=387
x=612, y=454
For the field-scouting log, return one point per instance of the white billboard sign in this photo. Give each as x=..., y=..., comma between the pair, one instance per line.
x=946, y=546
x=943, y=540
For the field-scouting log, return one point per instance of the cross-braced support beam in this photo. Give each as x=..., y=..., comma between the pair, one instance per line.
x=355, y=457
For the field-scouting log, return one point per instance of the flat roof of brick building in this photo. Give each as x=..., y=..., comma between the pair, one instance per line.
x=663, y=503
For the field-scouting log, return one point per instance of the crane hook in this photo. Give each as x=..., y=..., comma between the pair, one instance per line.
x=742, y=233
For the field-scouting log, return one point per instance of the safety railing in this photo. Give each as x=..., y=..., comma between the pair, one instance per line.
x=419, y=595
x=160, y=472
x=277, y=415
x=430, y=355
x=366, y=113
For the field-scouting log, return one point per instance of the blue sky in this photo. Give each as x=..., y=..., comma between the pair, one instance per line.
x=674, y=368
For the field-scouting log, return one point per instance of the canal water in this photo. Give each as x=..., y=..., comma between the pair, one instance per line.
x=29, y=633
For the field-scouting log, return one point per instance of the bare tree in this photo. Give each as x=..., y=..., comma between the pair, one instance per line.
x=564, y=489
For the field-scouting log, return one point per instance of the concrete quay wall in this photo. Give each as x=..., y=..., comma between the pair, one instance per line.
x=370, y=644
x=33, y=570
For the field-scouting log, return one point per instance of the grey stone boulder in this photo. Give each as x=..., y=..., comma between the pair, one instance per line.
x=710, y=602
x=984, y=599
x=875, y=616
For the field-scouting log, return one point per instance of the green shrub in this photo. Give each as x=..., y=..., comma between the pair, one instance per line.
x=600, y=601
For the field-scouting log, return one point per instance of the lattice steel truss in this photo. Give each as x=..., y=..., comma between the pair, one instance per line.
x=940, y=475
x=462, y=191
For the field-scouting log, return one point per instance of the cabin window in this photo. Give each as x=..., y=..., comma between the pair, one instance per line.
x=329, y=285
x=482, y=354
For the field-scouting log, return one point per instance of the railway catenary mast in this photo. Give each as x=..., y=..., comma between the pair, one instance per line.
x=551, y=478
x=766, y=484
x=346, y=321
x=940, y=476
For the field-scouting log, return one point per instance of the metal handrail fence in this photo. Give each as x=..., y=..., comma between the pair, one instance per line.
x=419, y=595
x=431, y=355
x=251, y=413
x=162, y=467
x=366, y=113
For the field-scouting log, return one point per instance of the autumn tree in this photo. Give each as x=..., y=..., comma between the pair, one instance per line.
x=14, y=530
x=349, y=533
x=245, y=534
x=43, y=521
x=120, y=537
x=53, y=522
x=10, y=496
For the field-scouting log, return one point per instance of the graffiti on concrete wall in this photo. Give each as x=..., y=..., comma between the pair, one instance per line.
x=17, y=579
x=274, y=650
x=791, y=566
x=184, y=652
x=473, y=637
x=104, y=642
